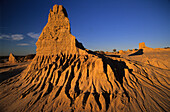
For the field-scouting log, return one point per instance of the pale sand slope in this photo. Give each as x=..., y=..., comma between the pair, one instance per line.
x=129, y=84
x=157, y=58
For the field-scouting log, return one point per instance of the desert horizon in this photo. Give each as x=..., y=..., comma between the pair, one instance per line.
x=98, y=25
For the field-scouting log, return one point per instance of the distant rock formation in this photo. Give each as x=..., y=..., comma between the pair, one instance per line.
x=12, y=59
x=64, y=76
x=129, y=50
x=121, y=52
x=142, y=45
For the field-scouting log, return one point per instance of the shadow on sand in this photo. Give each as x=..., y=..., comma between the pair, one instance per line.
x=139, y=52
x=117, y=56
x=7, y=66
x=8, y=74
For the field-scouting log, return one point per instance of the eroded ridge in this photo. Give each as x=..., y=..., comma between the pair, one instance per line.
x=87, y=83
x=69, y=82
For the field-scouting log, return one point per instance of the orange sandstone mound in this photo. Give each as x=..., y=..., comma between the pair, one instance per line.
x=64, y=76
x=12, y=59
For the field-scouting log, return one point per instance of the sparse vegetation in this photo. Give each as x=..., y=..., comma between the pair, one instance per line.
x=114, y=50
x=166, y=47
x=96, y=52
x=101, y=52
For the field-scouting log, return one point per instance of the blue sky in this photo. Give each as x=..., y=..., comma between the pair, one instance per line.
x=98, y=24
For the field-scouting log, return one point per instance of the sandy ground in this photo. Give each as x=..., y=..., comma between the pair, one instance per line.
x=8, y=70
x=156, y=58
x=129, y=82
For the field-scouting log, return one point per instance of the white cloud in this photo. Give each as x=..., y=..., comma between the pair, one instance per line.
x=4, y=36
x=17, y=37
x=33, y=35
x=23, y=44
x=12, y=37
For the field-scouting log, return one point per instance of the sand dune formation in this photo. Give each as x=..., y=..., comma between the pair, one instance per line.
x=64, y=76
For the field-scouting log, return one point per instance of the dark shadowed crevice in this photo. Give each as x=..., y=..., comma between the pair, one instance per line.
x=58, y=92
x=50, y=88
x=91, y=107
x=86, y=95
x=68, y=85
x=105, y=71
x=59, y=74
x=118, y=69
x=107, y=99
x=77, y=89
x=96, y=96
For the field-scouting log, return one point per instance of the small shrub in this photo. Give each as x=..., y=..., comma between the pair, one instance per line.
x=166, y=47
x=114, y=50
x=101, y=52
